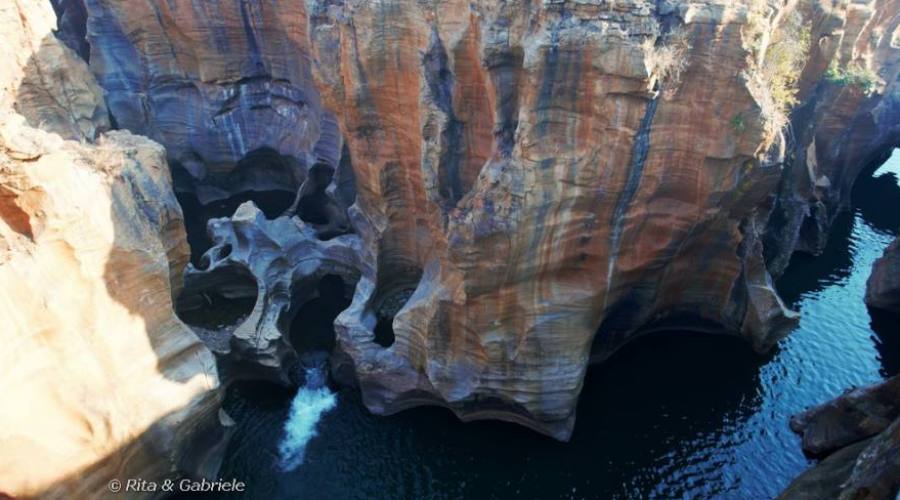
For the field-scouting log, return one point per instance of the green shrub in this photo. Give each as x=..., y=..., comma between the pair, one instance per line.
x=854, y=75
x=738, y=124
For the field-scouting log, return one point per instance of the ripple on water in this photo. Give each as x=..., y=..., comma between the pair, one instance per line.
x=669, y=416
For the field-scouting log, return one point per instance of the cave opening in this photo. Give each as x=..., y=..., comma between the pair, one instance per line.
x=384, y=332
x=197, y=215
x=204, y=191
x=877, y=188
x=386, y=305
x=312, y=206
x=311, y=329
x=216, y=303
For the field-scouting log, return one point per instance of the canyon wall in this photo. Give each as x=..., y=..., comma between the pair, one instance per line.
x=100, y=379
x=533, y=184
x=842, y=126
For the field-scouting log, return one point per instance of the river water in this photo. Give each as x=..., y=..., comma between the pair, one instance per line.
x=669, y=416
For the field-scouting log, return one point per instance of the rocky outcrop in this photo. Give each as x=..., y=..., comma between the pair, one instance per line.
x=277, y=264
x=100, y=379
x=883, y=287
x=533, y=184
x=856, y=415
x=861, y=432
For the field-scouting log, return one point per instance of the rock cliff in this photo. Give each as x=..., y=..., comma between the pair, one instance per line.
x=883, y=287
x=533, y=184
x=100, y=379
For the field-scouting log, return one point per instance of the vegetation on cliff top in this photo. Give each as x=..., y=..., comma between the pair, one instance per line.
x=667, y=56
x=854, y=75
x=778, y=43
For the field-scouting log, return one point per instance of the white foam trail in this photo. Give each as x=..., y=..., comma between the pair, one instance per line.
x=311, y=402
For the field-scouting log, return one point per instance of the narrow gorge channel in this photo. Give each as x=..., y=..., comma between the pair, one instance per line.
x=668, y=416
x=450, y=249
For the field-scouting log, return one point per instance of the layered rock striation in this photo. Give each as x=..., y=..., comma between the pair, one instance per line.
x=277, y=265
x=101, y=380
x=532, y=184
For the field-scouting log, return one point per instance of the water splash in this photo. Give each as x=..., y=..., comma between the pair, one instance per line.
x=312, y=401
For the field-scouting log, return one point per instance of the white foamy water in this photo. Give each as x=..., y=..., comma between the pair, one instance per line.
x=311, y=402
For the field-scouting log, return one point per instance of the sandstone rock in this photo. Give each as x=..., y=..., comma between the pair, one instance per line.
x=838, y=128
x=108, y=383
x=100, y=379
x=41, y=79
x=277, y=264
x=883, y=287
x=537, y=200
x=825, y=480
x=852, y=417
x=862, y=429
x=213, y=82
x=531, y=191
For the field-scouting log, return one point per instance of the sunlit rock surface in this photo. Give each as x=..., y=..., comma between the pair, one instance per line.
x=99, y=378
x=531, y=191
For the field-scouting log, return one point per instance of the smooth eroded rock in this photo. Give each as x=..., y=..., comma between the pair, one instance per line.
x=100, y=379
x=883, y=286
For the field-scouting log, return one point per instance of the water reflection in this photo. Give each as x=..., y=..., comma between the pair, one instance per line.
x=672, y=415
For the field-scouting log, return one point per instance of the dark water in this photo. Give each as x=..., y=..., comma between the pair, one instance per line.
x=670, y=416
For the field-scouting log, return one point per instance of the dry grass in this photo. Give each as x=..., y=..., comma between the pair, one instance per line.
x=667, y=56
x=778, y=46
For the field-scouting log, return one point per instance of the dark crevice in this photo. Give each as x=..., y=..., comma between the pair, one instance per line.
x=384, y=332
x=196, y=215
x=440, y=85
x=311, y=325
x=315, y=205
x=312, y=206
x=218, y=299
x=386, y=308
x=71, y=16
x=871, y=195
x=263, y=176
x=505, y=69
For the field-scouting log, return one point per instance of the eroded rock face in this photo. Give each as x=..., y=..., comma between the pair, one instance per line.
x=100, y=379
x=860, y=431
x=531, y=189
x=277, y=264
x=883, y=287
x=840, y=129
x=559, y=200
